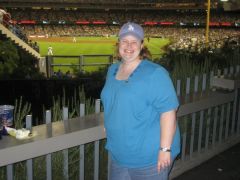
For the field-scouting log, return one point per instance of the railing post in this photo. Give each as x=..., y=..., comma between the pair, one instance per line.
x=237, y=70
x=96, y=146
x=219, y=72
x=192, y=134
x=225, y=72
x=178, y=87
x=207, y=128
x=97, y=106
x=81, y=148
x=65, y=113
x=65, y=151
x=29, y=161
x=231, y=71
x=200, y=131
x=220, y=135
x=196, y=84
x=215, y=126
x=234, y=111
x=227, y=120
x=204, y=82
x=10, y=172
x=211, y=78
x=184, y=134
x=238, y=121
x=49, y=156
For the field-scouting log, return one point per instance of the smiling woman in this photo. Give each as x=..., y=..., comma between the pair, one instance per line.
x=129, y=48
x=139, y=113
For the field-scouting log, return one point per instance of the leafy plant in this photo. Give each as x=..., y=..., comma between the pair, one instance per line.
x=21, y=110
x=9, y=58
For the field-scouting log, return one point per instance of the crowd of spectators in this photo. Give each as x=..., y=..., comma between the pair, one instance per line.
x=193, y=39
x=121, y=16
x=128, y=1
x=181, y=37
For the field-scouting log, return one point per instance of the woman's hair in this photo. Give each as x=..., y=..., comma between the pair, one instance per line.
x=144, y=53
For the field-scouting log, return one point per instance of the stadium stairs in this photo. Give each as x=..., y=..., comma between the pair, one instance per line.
x=19, y=42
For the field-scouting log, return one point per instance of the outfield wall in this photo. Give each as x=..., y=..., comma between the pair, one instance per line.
x=82, y=63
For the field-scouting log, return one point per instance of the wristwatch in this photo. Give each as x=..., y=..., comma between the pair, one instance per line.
x=164, y=149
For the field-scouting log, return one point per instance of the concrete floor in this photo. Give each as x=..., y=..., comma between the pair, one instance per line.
x=225, y=166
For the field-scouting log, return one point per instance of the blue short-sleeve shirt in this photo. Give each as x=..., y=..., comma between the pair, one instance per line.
x=132, y=110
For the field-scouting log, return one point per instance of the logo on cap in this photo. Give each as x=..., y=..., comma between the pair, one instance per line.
x=130, y=27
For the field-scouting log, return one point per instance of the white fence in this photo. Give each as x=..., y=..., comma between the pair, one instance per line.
x=209, y=124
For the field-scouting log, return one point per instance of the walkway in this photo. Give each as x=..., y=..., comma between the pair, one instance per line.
x=225, y=166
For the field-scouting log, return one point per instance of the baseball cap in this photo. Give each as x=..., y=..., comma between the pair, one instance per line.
x=131, y=28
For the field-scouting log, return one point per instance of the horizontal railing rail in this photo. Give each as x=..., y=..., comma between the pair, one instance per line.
x=52, y=137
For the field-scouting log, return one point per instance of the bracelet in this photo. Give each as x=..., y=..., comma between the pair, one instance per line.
x=164, y=149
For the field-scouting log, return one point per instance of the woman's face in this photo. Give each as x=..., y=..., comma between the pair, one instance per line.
x=129, y=48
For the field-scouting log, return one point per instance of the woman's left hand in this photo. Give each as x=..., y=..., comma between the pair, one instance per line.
x=164, y=160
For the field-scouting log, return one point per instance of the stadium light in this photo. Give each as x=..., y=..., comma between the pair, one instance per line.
x=224, y=0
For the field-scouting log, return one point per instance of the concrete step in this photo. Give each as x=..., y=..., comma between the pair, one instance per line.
x=19, y=42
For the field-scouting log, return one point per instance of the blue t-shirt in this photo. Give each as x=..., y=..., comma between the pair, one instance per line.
x=132, y=110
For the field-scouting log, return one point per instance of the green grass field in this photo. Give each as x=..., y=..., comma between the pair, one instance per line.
x=64, y=46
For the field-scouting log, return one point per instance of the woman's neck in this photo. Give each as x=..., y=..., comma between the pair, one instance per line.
x=130, y=64
x=126, y=68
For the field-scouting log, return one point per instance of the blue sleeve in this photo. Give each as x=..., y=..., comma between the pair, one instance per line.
x=162, y=91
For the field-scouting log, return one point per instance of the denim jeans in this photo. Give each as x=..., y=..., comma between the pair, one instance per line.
x=146, y=173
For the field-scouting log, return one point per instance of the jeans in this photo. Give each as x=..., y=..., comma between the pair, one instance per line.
x=145, y=173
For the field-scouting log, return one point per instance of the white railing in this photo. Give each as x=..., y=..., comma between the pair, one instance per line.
x=209, y=123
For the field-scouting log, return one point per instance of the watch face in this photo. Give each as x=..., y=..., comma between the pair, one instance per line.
x=165, y=150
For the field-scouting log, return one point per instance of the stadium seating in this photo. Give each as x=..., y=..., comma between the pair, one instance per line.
x=18, y=41
x=173, y=24
x=185, y=28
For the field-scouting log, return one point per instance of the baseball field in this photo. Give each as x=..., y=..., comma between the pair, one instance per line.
x=70, y=46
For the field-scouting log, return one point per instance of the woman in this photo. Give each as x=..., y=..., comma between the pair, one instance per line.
x=139, y=113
